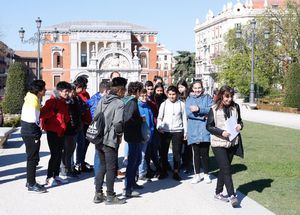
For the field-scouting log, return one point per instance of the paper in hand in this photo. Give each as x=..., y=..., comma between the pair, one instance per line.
x=230, y=125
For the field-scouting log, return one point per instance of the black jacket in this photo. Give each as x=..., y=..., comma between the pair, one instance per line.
x=75, y=113
x=133, y=122
x=210, y=126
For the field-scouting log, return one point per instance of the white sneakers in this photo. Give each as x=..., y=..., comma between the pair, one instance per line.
x=207, y=179
x=52, y=182
x=60, y=180
x=197, y=178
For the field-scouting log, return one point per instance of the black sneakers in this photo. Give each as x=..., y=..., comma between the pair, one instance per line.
x=221, y=197
x=99, y=197
x=176, y=176
x=234, y=201
x=36, y=188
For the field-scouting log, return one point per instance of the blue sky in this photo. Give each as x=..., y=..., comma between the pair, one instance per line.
x=173, y=19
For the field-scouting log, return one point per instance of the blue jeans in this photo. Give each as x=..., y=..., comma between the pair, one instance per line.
x=134, y=159
x=80, y=149
x=143, y=165
x=96, y=162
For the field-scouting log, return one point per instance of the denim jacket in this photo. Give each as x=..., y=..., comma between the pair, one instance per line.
x=197, y=120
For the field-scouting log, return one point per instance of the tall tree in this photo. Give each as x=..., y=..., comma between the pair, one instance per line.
x=185, y=66
x=15, y=88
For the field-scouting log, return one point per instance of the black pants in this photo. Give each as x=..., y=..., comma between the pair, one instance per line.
x=56, y=145
x=69, y=148
x=32, y=151
x=87, y=143
x=108, y=157
x=187, y=156
x=200, y=156
x=177, y=138
x=152, y=152
x=224, y=158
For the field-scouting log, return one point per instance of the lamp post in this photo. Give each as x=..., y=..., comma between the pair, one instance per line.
x=37, y=39
x=239, y=35
x=253, y=25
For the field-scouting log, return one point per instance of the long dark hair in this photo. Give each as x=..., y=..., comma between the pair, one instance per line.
x=227, y=91
x=185, y=94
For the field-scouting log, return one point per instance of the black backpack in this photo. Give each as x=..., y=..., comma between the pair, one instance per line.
x=95, y=132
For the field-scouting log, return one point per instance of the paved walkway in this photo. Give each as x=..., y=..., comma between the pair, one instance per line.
x=288, y=120
x=162, y=197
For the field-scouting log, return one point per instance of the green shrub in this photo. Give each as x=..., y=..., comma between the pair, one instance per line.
x=292, y=86
x=13, y=122
x=15, y=88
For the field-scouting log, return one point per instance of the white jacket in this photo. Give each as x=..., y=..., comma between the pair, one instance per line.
x=172, y=117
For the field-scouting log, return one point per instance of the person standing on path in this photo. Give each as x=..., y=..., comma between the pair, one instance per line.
x=133, y=136
x=31, y=132
x=113, y=109
x=187, y=149
x=197, y=108
x=172, y=124
x=93, y=103
x=223, y=146
x=54, y=119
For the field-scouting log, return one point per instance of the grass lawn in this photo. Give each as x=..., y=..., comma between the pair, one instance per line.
x=270, y=171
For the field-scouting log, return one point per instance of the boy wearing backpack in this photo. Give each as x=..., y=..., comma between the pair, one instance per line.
x=112, y=108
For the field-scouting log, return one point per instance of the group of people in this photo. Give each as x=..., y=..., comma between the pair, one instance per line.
x=146, y=118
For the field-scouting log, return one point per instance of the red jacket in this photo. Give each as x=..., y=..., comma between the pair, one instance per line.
x=86, y=117
x=55, y=115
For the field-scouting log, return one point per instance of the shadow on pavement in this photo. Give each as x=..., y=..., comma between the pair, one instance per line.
x=16, y=158
x=257, y=185
x=18, y=177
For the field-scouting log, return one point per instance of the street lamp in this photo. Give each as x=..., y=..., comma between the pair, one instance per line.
x=32, y=40
x=253, y=25
x=37, y=39
x=239, y=35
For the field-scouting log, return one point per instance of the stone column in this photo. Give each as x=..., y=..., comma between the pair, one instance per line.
x=96, y=47
x=88, y=53
x=79, y=53
x=74, y=55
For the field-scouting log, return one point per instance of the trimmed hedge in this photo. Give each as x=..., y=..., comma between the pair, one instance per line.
x=15, y=88
x=292, y=86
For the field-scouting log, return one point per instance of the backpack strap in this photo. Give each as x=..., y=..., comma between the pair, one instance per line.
x=165, y=103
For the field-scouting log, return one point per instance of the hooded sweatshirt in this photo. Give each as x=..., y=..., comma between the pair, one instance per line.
x=55, y=115
x=30, y=116
x=113, y=109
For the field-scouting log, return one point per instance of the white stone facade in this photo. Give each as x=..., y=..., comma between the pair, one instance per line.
x=97, y=48
x=210, y=35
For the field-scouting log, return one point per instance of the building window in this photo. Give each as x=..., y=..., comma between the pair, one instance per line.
x=166, y=57
x=165, y=73
x=56, y=79
x=143, y=38
x=83, y=56
x=157, y=66
x=83, y=60
x=166, y=66
x=143, y=58
x=143, y=78
x=57, y=60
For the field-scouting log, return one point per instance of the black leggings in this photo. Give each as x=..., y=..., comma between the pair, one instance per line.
x=56, y=145
x=200, y=155
x=224, y=158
